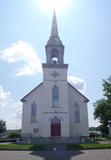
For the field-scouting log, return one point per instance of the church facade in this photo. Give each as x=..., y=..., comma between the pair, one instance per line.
x=55, y=108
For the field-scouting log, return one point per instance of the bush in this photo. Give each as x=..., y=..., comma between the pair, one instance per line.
x=93, y=134
x=14, y=135
x=88, y=146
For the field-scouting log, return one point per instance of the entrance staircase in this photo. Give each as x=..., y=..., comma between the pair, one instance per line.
x=56, y=140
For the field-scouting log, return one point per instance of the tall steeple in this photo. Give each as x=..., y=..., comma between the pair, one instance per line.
x=54, y=30
x=54, y=36
x=54, y=47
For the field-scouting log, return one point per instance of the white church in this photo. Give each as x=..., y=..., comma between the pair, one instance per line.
x=55, y=108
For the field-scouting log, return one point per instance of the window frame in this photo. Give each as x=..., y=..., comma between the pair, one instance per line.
x=77, y=113
x=33, y=112
x=55, y=96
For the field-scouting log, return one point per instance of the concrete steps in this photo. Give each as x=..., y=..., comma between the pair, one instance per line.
x=56, y=140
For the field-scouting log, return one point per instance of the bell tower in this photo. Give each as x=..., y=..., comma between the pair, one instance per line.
x=54, y=68
x=54, y=47
x=54, y=54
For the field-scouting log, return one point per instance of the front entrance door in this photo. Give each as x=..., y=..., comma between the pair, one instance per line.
x=55, y=127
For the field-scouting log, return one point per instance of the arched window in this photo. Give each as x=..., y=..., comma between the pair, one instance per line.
x=33, y=112
x=76, y=113
x=55, y=96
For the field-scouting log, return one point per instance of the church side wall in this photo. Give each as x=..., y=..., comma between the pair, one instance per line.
x=27, y=126
x=80, y=128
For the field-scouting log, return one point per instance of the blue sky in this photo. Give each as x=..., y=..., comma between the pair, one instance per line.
x=85, y=30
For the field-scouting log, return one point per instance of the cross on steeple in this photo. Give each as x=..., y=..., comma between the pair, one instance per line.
x=55, y=74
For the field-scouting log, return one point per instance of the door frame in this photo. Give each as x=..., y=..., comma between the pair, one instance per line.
x=55, y=124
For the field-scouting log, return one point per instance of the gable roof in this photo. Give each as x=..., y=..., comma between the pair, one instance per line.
x=23, y=99
x=86, y=99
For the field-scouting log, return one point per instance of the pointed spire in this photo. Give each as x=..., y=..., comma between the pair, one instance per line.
x=54, y=30
x=54, y=47
x=54, y=37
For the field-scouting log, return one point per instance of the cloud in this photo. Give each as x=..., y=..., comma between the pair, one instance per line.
x=18, y=110
x=5, y=97
x=25, y=53
x=10, y=110
x=78, y=83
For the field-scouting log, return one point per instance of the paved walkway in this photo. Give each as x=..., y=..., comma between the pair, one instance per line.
x=56, y=155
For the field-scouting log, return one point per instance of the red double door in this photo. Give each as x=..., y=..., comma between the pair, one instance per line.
x=55, y=129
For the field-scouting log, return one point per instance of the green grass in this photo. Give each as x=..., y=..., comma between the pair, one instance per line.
x=44, y=147
x=88, y=146
x=22, y=147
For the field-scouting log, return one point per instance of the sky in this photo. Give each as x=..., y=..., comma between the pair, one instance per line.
x=25, y=25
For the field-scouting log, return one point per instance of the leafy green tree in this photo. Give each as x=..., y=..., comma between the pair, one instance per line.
x=14, y=134
x=107, y=89
x=2, y=126
x=103, y=107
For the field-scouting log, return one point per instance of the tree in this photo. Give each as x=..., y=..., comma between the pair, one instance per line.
x=103, y=107
x=2, y=126
x=14, y=134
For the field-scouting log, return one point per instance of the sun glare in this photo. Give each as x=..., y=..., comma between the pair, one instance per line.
x=58, y=5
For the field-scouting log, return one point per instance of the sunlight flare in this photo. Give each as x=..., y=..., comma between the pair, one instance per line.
x=58, y=5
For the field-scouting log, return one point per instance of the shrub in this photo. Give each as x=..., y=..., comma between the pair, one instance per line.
x=13, y=135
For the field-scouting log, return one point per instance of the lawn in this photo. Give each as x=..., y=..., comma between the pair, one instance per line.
x=88, y=146
x=44, y=147
x=22, y=147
